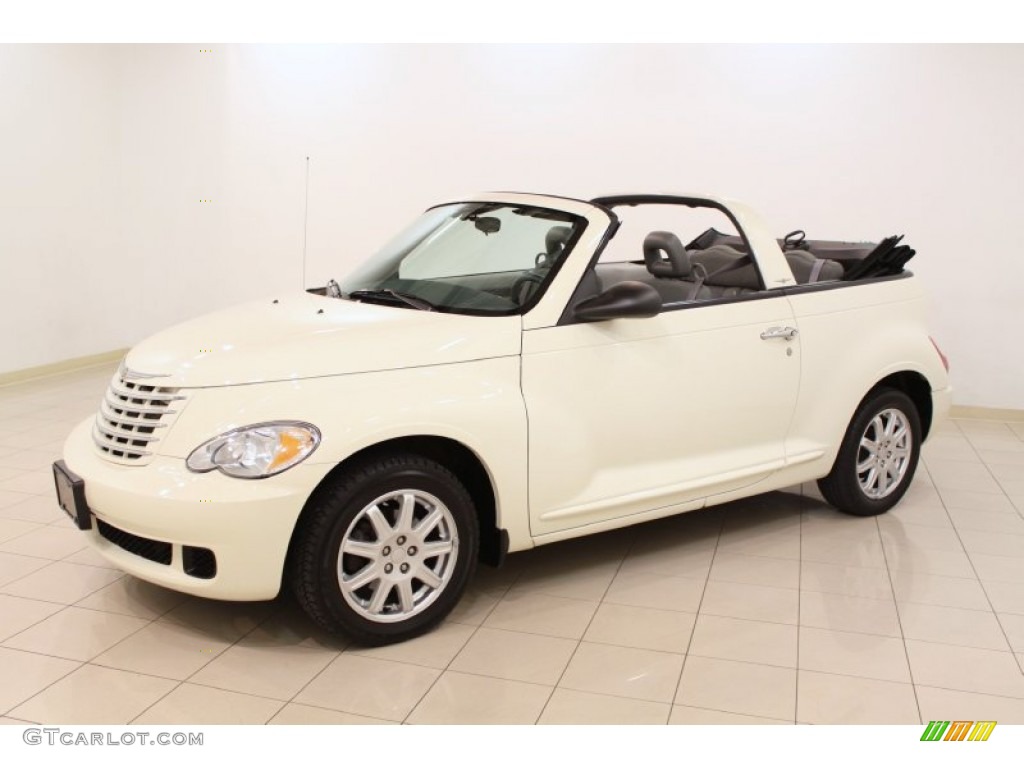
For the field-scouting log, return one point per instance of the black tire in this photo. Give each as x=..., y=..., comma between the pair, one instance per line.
x=842, y=488
x=342, y=510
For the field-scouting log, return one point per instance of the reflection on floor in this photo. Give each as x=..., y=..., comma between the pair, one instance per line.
x=772, y=610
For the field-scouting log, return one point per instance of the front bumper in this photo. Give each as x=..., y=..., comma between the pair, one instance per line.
x=247, y=524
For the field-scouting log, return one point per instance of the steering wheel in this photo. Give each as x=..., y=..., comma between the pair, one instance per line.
x=527, y=283
x=794, y=240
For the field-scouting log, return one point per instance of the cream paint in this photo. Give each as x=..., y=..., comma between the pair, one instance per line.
x=302, y=336
x=580, y=427
x=249, y=523
x=627, y=415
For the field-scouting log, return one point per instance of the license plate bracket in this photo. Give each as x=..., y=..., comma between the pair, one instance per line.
x=71, y=495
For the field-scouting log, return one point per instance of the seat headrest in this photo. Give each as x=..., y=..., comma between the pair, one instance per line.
x=556, y=239
x=665, y=256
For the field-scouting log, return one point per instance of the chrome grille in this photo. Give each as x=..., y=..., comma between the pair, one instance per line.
x=131, y=418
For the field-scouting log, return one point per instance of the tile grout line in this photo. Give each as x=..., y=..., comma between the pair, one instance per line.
x=899, y=621
x=80, y=664
x=1019, y=512
x=775, y=720
x=995, y=613
x=419, y=665
x=446, y=668
x=405, y=718
x=181, y=682
x=505, y=679
x=799, y=609
x=348, y=645
x=47, y=563
x=45, y=687
x=284, y=704
x=5, y=640
x=58, y=525
x=327, y=709
x=20, y=720
x=579, y=641
x=304, y=686
x=975, y=693
x=94, y=663
x=16, y=537
x=87, y=662
x=967, y=554
x=696, y=617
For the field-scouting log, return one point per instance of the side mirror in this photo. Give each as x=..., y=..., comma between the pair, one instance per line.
x=626, y=299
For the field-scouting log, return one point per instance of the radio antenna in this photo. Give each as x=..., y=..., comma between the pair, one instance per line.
x=305, y=224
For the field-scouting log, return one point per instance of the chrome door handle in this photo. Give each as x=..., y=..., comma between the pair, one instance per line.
x=778, y=332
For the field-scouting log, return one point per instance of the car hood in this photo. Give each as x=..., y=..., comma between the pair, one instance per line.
x=304, y=335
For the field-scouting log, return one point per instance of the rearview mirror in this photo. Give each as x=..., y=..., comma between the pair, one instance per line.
x=487, y=224
x=625, y=299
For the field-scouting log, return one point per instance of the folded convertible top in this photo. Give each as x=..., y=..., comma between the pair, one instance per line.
x=859, y=260
x=888, y=258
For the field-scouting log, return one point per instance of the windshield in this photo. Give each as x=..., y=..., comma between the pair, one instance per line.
x=469, y=258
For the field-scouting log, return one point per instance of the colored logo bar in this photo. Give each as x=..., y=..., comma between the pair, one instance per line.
x=958, y=730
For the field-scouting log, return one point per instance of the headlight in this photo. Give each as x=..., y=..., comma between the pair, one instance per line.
x=256, y=451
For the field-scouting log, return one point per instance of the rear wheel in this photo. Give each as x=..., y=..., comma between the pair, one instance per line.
x=878, y=456
x=384, y=553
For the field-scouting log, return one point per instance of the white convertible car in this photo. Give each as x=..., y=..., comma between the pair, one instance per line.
x=512, y=370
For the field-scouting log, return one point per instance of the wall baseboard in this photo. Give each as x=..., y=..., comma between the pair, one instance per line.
x=64, y=366
x=989, y=414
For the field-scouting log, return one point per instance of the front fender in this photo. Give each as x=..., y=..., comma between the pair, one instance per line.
x=478, y=404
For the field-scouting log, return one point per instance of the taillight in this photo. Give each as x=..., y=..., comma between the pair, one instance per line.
x=942, y=357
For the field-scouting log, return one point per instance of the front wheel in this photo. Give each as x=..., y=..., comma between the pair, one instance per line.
x=383, y=553
x=878, y=456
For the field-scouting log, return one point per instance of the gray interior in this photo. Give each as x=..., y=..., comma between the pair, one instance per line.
x=717, y=271
x=845, y=254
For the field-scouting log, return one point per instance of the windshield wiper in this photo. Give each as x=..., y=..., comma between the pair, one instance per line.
x=388, y=293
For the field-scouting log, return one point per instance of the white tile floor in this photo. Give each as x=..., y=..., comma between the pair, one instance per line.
x=772, y=610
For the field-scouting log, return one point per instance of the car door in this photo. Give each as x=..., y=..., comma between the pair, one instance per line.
x=639, y=416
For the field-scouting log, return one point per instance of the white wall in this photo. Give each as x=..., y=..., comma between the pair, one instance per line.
x=59, y=204
x=846, y=142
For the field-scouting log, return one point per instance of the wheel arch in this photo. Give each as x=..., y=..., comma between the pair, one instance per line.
x=915, y=386
x=457, y=457
x=842, y=487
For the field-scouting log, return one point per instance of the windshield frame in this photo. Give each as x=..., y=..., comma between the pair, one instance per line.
x=578, y=222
